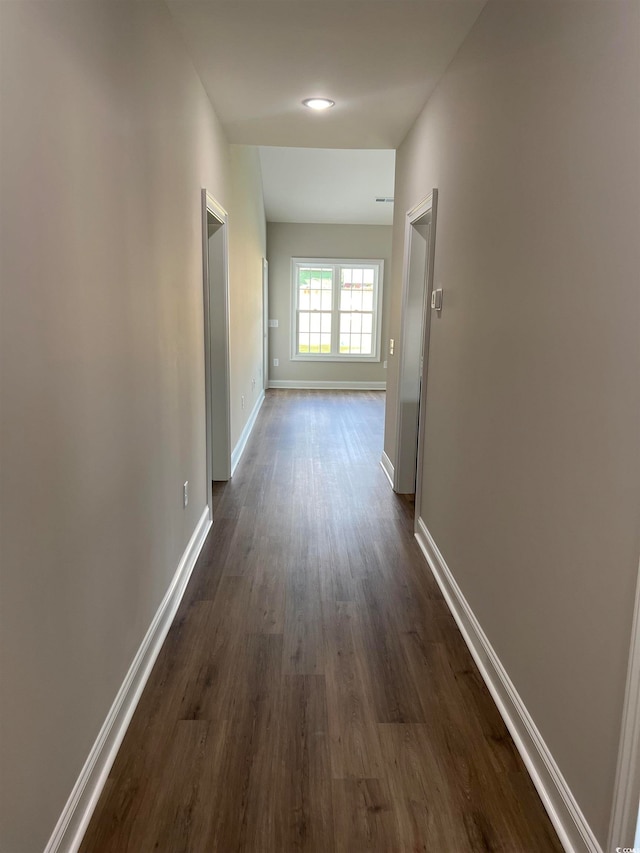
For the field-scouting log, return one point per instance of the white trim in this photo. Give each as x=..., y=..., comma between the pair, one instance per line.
x=329, y=385
x=206, y=311
x=337, y=359
x=222, y=430
x=624, y=819
x=410, y=373
x=238, y=450
x=265, y=324
x=75, y=817
x=387, y=466
x=215, y=207
x=424, y=354
x=571, y=825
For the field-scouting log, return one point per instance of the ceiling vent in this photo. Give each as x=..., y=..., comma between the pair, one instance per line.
x=384, y=198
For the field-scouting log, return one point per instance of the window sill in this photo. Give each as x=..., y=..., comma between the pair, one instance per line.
x=336, y=358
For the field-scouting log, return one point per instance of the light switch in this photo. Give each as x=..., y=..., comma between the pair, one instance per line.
x=436, y=299
x=273, y=324
x=391, y=345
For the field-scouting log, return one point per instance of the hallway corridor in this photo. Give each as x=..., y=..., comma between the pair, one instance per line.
x=314, y=692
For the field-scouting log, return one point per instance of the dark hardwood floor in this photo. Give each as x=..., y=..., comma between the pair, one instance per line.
x=314, y=692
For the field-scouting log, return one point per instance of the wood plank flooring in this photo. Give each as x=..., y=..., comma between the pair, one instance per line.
x=314, y=693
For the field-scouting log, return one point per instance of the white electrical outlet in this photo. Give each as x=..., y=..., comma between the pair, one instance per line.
x=273, y=324
x=185, y=494
x=276, y=362
x=384, y=364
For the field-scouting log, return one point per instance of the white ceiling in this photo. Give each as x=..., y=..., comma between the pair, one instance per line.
x=379, y=60
x=327, y=185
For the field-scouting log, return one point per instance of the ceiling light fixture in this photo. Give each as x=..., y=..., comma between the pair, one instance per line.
x=318, y=103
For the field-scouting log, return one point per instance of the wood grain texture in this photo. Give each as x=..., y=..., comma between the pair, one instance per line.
x=314, y=693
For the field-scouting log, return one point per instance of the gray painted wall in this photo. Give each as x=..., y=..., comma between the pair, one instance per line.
x=247, y=248
x=107, y=139
x=532, y=469
x=290, y=240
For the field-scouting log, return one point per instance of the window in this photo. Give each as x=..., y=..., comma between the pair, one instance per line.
x=336, y=308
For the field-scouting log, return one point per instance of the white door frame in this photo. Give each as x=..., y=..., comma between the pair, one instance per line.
x=627, y=789
x=426, y=335
x=210, y=207
x=265, y=323
x=406, y=464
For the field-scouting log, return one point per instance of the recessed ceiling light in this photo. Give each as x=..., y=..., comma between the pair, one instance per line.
x=318, y=103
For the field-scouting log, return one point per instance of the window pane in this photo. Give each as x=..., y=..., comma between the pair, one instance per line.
x=325, y=341
x=368, y=278
x=356, y=323
x=356, y=278
x=303, y=321
x=325, y=324
x=367, y=323
x=314, y=322
x=345, y=300
x=316, y=300
x=366, y=345
x=367, y=300
x=345, y=323
x=304, y=276
x=303, y=342
x=326, y=300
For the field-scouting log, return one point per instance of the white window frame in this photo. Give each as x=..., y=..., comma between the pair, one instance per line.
x=336, y=264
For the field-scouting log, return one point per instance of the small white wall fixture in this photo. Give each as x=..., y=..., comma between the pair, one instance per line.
x=216, y=341
x=419, y=251
x=624, y=831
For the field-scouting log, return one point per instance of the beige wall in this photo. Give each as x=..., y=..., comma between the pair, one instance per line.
x=290, y=240
x=107, y=140
x=247, y=248
x=532, y=474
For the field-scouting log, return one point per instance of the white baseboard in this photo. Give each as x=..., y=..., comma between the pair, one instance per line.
x=327, y=385
x=75, y=817
x=238, y=450
x=571, y=825
x=387, y=466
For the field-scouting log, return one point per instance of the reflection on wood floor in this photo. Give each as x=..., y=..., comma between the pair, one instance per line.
x=314, y=692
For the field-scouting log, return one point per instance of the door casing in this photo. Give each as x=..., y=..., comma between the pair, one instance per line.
x=265, y=323
x=414, y=347
x=625, y=818
x=216, y=342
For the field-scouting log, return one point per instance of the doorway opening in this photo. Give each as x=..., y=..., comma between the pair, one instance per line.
x=624, y=830
x=216, y=342
x=416, y=314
